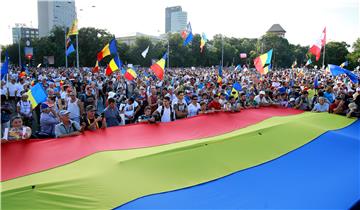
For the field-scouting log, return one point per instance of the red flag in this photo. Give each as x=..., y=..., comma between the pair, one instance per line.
x=315, y=49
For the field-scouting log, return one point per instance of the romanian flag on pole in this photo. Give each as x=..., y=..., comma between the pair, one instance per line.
x=263, y=60
x=36, y=95
x=73, y=29
x=110, y=48
x=220, y=75
x=273, y=158
x=114, y=65
x=130, y=74
x=159, y=67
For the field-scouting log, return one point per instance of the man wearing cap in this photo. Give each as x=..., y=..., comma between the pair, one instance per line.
x=112, y=114
x=92, y=121
x=67, y=127
x=261, y=100
x=48, y=121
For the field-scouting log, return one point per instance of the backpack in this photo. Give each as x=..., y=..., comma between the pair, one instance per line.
x=171, y=113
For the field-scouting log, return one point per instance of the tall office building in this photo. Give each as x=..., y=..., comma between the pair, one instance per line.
x=174, y=19
x=20, y=31
x=178, y=21
x=55, y=13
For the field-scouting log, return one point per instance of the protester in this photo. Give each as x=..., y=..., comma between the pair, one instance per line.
x=130, y=110
x=112, y=114
x=180, y=106
x=24, y=109
x=261, y=99
x=17, y=131
x=164, y=113
x=75, y=107
x=194, y=107
x=321, y=106
x=6, y=112
x=67, y=127
x=302, y=102
x=48, y=121
x=92, y=121
x=146, y=116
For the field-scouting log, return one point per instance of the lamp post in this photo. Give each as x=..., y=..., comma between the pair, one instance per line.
x=19, y=27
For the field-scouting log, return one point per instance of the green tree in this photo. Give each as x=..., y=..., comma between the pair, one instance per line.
x=282, y=54
x=354, y=57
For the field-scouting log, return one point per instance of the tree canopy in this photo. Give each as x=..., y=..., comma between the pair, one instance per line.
x=92, y=40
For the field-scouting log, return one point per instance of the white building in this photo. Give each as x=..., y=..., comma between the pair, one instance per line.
x=178, y=21
x=130, y=39
x=55, y=13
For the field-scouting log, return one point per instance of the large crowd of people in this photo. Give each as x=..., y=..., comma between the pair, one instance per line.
x=79, y=100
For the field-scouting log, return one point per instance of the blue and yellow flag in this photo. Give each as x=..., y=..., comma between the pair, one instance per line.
x=36, y=95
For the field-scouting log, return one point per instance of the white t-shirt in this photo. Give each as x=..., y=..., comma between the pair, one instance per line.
x=130, y=109
x=176, y=101
x=20, y=88
x=13, y=88
x=193, y=109
x=166, y=117
x=258, y=100
x=4, y=90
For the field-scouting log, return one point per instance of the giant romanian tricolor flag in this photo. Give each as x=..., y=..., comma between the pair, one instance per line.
x=270, y=158
x=263, y=60
x=159, y=67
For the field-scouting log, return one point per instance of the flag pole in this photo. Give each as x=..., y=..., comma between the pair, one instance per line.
x=222, y=51
x=168, y=55
x=77, y=51
x=323, y=63
x=66, y=62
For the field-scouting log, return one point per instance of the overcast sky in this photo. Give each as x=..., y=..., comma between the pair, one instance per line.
x=303, y=20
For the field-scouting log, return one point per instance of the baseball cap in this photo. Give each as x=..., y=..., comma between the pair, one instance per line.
x=44, y=106
x=111, y=95
x=90, y=108
x=292, y=99
x=262, y=92
x=63, y=112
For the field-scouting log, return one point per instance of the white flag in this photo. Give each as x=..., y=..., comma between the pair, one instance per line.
x=145, y=52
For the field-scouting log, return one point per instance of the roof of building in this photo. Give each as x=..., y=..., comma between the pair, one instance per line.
x=276, y=28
